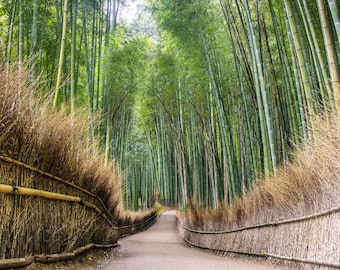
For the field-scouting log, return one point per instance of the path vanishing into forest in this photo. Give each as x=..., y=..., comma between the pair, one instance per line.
x=160, y=247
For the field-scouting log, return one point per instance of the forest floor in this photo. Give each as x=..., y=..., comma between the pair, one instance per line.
x=159, y=247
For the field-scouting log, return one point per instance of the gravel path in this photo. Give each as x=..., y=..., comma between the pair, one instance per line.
x=161, y=248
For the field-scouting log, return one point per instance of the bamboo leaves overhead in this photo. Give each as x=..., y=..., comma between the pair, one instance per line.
x=214, y=97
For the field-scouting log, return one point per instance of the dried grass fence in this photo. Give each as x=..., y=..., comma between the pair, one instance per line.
x=58, y=197
x=46, y=225
x=291, y=218
x=277, y=240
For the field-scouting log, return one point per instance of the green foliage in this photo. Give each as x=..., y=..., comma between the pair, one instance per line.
x=196, y=98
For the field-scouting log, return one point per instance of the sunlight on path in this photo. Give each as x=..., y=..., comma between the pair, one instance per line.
x=161, y=248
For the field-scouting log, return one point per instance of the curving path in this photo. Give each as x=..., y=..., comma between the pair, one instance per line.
x=161, y=248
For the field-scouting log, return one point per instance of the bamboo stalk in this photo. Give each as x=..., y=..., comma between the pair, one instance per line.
x=33, y=169
x=21, y=262
x=331, y=54
x=333, y=6
x=61, y=56
x=17, y=262
x=8, y=189
x=54, y=257
x=301, y=63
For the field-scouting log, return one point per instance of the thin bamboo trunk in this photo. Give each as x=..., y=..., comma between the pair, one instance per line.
x=319, y=62
x=274, y=89
x=21, y=35
x=263, y=102
x=10, y=33
x=182, y=148
x=334, y=8
x=34, y=41
x=93, y=56
x=330, y=51
x=35, y=192
x=301, y=110
x=295, y=109
x=301, y=63
x=61, y=56
x=73, y=54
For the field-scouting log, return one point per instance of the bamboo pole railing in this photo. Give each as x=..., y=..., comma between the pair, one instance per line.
x=106, y=215
x=59, y=179
x=8, y=189
x=143, y=225
x=53, y=177
x=22, y=191
x=13, y=263
x=100, y=211
x=140, y=223
x=286, y=221
x=43, y=258
x=15, y=190
x=264, y=254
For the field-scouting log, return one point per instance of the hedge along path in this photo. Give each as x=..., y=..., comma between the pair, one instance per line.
x=257, y=226
x=24, y=191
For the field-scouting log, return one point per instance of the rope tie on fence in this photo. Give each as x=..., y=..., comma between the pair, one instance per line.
x=15, y=190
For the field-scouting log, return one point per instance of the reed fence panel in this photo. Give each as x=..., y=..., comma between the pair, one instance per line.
x=311, y=241
x=50, y=218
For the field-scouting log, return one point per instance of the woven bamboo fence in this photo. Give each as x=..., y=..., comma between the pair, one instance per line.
x=298, y=226
x=292, y=217
x=286, y=240
x=52, y=219
x=58, y=195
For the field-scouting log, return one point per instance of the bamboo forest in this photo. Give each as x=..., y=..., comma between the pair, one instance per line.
x=196, y=98
x=199, y=105
x=193, y=99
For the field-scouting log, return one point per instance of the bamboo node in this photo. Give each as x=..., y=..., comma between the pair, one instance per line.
x=15, y=190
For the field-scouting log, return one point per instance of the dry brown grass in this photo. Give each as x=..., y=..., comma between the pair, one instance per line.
x=53, y=141
x=307, y=185
x=58, y=143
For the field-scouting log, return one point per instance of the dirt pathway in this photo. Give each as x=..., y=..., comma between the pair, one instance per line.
x=160, y=247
